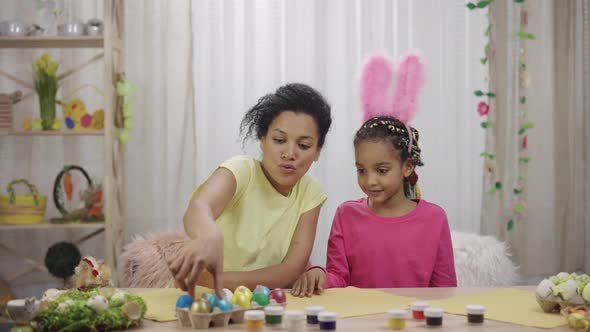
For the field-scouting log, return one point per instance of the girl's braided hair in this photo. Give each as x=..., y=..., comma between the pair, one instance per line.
x=393, y=131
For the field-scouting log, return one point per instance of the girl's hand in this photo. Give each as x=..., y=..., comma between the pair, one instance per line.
x=205, y=252
x=310, y=282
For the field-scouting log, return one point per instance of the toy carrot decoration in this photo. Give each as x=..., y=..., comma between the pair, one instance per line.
x=68, y=186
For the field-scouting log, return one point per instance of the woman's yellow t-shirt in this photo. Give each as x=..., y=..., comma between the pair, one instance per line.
x=259, y=222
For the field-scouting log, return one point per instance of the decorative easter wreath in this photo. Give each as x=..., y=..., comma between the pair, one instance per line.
x=100, y=309
x=63, y=186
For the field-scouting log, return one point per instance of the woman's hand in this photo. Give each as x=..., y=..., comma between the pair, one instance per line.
x=204, y=252
x=310, y=282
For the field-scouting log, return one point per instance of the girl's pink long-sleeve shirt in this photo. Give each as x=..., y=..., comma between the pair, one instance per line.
x=366, y=250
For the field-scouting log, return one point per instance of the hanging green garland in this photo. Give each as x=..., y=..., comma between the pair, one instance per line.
x=519, y=207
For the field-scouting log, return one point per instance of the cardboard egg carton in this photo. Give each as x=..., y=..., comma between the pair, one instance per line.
x=201, y=321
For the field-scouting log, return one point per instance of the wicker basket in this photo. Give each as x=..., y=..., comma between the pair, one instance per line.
x=22, y=209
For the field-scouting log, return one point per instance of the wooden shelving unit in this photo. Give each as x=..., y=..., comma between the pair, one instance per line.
x=111, y=51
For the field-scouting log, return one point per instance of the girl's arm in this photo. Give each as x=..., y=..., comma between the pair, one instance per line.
x=337, y=268
x=284, y=274
x=205, y=250
x=444, y=266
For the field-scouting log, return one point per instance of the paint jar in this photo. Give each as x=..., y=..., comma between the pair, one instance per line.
x=294, y=320
x=475, y=313
x=418, y=309
x=274, y=315
x=397, y=319
x=312, y=314
x=327, y=320
x=254, y=320
x=434, y=317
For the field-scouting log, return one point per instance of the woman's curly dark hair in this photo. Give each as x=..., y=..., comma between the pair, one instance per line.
x=294, y=97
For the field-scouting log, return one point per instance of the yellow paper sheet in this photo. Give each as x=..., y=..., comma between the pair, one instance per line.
x=351, y=301
x=161, y=303
x=347, y=302
x=507, y=305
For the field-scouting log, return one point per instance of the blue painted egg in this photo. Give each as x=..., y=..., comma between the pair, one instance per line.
x=70, y=123
x=222, y=304
x=184, y=301
x=211, y=299
x=262, y=289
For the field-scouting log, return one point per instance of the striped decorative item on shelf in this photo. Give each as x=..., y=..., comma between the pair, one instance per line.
x=7, y=102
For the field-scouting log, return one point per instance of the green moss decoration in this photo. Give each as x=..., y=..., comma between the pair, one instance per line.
x=79, y=317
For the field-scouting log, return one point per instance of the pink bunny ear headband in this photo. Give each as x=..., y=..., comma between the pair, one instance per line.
x=376, y=80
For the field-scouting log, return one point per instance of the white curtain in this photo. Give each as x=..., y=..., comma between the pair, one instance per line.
x=244, y=49
x=572, y=131
x=161, y=154
x=555, y=234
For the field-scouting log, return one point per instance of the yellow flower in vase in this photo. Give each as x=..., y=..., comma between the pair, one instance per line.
x=52, y=68
x=46, y=85
x=45, y=57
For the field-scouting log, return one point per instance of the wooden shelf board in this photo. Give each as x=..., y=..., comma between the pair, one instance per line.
x=52, y=133
x=52, y=42
x=49, y=225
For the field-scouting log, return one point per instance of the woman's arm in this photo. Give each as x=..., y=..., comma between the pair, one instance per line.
x=284, y=274
x=205, y=250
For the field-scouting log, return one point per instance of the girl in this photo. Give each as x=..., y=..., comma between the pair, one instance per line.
x=257, y=219
x=390, y=238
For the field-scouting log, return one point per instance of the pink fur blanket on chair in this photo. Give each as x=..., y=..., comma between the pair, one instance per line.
x=479, y=260
x=144, y=260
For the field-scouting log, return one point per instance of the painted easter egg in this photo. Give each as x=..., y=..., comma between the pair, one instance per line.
x=277, y=295
x=245, y=290
x=201, y=305
x=260, y=298
x=241, y=300
x=86, y=120
x=262, y=289
x=222, y=304
x=228, y=294
x=211, y=299
x=184, y=301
